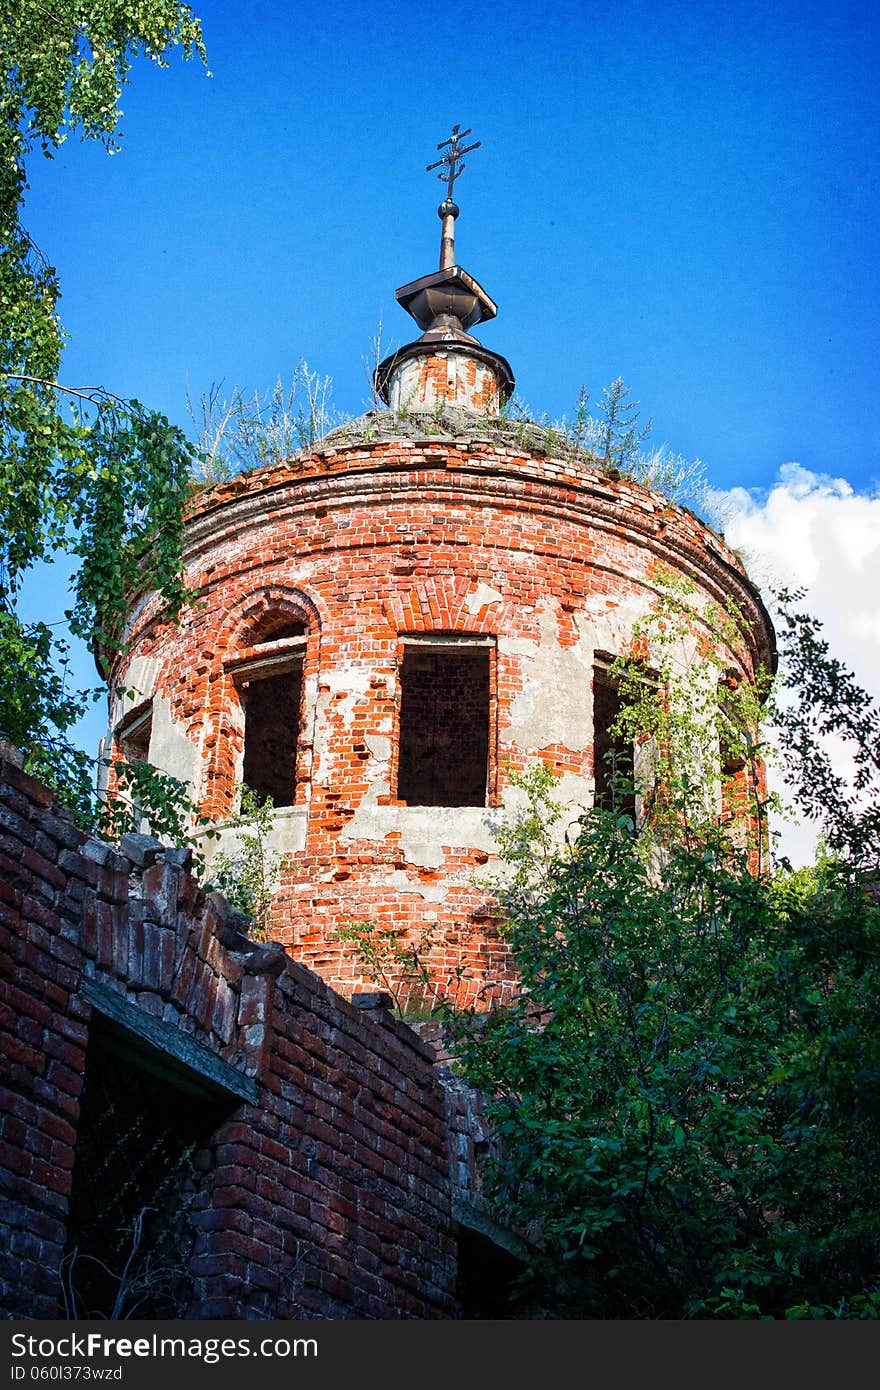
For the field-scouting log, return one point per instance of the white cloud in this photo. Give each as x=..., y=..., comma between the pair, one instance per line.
x=814, y=531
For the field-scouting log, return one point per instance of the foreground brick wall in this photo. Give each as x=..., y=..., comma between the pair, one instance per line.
x=327, y=1196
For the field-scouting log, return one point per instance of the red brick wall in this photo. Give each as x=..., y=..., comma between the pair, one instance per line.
x=328, y=1197
x=372, y=541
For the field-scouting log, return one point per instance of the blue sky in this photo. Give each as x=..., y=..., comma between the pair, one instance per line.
x=684, y=195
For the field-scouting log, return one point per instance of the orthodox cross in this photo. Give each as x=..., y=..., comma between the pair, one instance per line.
x=452, y=163
x=453, y=159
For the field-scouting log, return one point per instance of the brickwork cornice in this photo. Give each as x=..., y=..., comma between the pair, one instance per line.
x=475, y=473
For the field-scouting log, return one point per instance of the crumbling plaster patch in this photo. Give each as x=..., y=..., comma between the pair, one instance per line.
x=138, y=684
x=170, y=748
x=552, y=706
x=341, y=690
x=482, y=597
x=380, y=746
x=401, y=882
x=555, y=704
x=287, y=835
x=573, y=793
x=423, y=830
x=427, y=833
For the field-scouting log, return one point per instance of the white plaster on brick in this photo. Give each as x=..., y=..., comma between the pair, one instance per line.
x=411, y=389
x=140, y=682
x=553, y=705
x=575, y=795
x=288, y=835
x=170, y=748
x=480, y=597
x=424, y=830
x=431, y=892
x=605, y=626
x=352, y=682
x=380, y=747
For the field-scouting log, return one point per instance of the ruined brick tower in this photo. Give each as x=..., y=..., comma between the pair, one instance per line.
x=389, y=622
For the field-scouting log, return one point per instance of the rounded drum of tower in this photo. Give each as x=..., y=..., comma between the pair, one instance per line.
x=382, y=630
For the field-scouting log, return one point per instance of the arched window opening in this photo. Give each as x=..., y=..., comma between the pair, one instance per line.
x=278, y=627
x=268, y=675
x=444, y=722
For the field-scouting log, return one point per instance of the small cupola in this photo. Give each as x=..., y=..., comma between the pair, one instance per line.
x=446, y=366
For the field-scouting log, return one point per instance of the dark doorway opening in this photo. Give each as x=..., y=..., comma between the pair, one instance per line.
x=489, y=1281
x=444, y=726
x=130, y=1234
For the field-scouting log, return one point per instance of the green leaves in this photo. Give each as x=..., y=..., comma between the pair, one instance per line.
x=108, y=488
x=145, y=796
x=63, y=68
x=38, y=705
x=686, y=1093
x=128, y=515
x=80, y=472
x=819, y=697
x=247, y=876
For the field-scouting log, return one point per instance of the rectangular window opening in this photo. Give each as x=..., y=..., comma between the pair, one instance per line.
x=613, y=763
x=271, y=697
x=444, y=725
x=733, y=736
x=131, y=745
x=133, y=737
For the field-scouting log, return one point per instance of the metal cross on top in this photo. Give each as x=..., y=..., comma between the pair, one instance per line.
x=453, y=158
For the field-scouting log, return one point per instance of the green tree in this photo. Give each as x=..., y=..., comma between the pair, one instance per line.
x=618, y=434
x=81, y=472
x=248, y=875
x=687, y=1089
x=818, y=697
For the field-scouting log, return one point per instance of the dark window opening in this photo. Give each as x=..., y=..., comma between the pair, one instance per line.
x=279, y=632
x=444, y=726
x=271, y=700
x=733, y=739
x=130, y=1233
x=131, y=745
x=613, y=766
x=133, y=737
